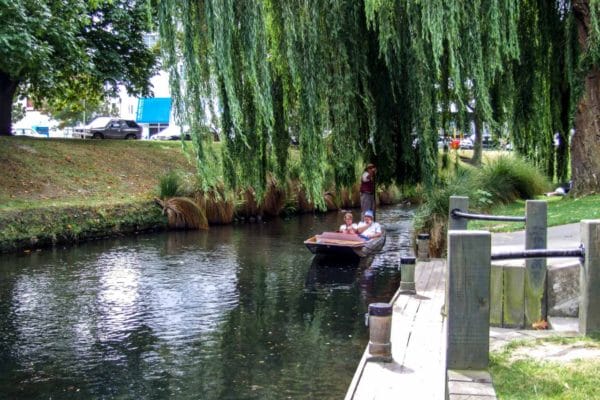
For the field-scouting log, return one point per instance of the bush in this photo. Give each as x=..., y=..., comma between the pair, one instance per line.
x=502, y=180
x=169, y=185
x=508, y=178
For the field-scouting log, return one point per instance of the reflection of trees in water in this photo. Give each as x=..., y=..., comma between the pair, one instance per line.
x=233, y=312
x=209, y=240
x=283, y=340
x=378, y=284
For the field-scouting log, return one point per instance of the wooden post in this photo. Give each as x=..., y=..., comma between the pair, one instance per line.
x=407, y=275
x=380, y=329
x=468, y=299
x=461, y=203
x=456, y=203
x=513, y=300
x=589, y=278
x=536, y=233
x=423, y=246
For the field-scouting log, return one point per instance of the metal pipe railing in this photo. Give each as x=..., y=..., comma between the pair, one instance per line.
x=460, y=214
x=540, y=253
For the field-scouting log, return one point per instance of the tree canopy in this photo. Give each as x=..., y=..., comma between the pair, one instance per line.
x=374, y=81
x=66, y=51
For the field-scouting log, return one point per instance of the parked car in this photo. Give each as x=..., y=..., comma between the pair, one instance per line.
x=466, y=143
x=171, y=132
x=110, y=128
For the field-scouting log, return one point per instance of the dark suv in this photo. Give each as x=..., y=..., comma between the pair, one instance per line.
x=110, y=128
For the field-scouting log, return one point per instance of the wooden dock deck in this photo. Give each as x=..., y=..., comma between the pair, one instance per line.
x=418, y=345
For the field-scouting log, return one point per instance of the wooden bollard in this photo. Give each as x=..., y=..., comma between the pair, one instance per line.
x=460, y=203
x=589, y=278
x=380, y=328
x=468, y=299
x=407, y=275
x=423, y=246
x=536, y=234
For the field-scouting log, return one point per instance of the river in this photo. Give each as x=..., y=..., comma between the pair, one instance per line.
x=235, y=312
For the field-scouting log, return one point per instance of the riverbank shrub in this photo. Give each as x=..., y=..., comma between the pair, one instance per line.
x=48, y=226
x=169, y=185
x=499, y=181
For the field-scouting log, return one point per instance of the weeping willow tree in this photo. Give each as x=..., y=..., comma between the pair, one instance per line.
x=371, y=81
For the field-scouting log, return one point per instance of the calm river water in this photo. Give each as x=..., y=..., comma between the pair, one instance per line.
x=236, y=312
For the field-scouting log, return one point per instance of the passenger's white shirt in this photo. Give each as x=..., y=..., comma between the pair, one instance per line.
x=372, y=230
x=344, y=228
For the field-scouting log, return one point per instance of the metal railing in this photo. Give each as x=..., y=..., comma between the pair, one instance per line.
x=539, y=253
x=456, y=213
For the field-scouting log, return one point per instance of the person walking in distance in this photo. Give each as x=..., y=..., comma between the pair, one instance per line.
x=367, y=189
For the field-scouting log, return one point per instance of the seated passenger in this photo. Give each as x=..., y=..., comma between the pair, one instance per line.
x=348, y=226
x=368, y=228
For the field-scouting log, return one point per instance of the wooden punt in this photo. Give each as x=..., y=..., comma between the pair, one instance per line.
x=343, y=244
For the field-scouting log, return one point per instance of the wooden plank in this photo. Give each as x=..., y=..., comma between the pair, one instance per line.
x=514, y=297
x=418, y=344
x=471, y=388
x=470, y=384
x=496, y=285
x=468, y=375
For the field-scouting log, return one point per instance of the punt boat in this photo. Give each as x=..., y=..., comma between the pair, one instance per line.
x=344, y=244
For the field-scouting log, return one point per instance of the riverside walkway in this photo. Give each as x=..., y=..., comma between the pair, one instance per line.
x=418, y=345
x=418, y=337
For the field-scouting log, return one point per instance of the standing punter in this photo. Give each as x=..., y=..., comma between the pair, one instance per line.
x=367, y=189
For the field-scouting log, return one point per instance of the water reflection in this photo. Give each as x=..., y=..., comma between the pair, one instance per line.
x=235, y=312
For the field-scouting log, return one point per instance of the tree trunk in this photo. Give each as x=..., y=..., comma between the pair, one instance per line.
x=8, y=88
x=585, y=145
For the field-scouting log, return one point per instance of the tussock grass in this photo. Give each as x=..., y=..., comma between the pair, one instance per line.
x=184, y=213
x=169, y=185
x=508, y=178
x=500, y=180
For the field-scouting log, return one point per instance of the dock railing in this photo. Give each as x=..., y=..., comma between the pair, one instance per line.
x=536, y=237
x=468, y=290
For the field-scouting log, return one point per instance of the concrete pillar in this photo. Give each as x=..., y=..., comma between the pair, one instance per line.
x=380, y=329
x=468, y=299
x=461, y=203
x=589, y=278
x=536, y=233
x=407, y=275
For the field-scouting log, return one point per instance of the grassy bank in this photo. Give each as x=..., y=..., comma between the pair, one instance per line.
x=64, y=191
x=523, y=370
x=42, y=173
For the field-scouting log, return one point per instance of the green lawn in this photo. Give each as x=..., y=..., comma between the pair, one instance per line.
x=561, y=210
x=529, y=378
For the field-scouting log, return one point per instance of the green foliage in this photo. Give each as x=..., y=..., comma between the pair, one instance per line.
x=499, y=181
x=18, y=112
x=561, y=210
x=374, y=81
x=47, y=226
x=508, y=178
x=528, y=378
x=66, y=51
x=169, y=185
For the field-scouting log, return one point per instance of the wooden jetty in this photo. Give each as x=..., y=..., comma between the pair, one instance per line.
x=418, y=337
x=418, y=345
